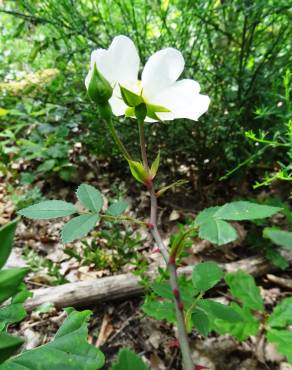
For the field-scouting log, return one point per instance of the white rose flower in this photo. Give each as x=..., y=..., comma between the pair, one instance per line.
x=166, y=97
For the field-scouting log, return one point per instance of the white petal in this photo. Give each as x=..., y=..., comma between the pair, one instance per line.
x=183, y=100
x=120, y=63
x=88, y=78
x=161, y=70
x=117, y=104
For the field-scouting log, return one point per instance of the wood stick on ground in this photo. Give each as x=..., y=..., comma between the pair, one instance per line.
x=92, y=292
x=284, y=283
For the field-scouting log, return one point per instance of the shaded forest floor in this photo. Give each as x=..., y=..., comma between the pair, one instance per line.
x=121, y=249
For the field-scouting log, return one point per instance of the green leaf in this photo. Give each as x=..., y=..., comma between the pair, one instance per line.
x=155, y=166
x=219, y=311
x=6, y=240
x=160, y=310
x=47, y=165
x=45, y=307
x=162, y=289
x=48, y=209
x=9, y=282
x=68, y=351
x=206, y=275
x=276, y=258
x=243, y=210
x=78, y=227
x=243, y=287
x=117, y=208
x=206, y=215
x=3, y=112
x=8, y=346
x=138, y=171
x=282, y=314
x=10, y=314
x=240, y=330
x=178, y=183
x=283, y=341
x=128, y=360
x=217, y=231
x=279, y=237
x=22, y=294
x=201, y=321
x=90, y=197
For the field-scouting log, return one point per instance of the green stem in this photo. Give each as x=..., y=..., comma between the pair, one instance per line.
x=117, y=140
x=143, y=145
x=122, y=218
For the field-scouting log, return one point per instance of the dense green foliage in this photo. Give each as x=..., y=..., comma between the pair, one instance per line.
x=239, y=51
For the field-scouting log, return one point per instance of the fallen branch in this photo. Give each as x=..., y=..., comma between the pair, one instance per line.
x=87, y=293
x=284, y=283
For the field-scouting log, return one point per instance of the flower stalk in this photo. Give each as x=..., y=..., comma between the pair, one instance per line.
x=143, y=145
x=170, y=262
x=115, y=136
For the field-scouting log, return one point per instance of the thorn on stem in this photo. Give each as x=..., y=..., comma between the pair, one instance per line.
x=176, y=293
x=150, y=226
x=171, y=260
x=173, y=343
x=180, y=306
x=148, y=183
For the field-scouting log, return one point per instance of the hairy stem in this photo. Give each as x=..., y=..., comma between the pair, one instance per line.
x=170, y=262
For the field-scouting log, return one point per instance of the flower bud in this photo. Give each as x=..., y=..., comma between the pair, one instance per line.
x=99, y=89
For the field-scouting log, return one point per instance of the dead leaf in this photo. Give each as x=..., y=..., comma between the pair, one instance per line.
x=106, y=330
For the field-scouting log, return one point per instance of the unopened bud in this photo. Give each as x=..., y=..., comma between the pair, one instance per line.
x=99, y=89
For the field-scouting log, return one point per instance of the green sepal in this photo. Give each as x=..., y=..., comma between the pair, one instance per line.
x=130, y=98
x=130, y=112
x=138, y=171
x=152, y=109
x=155, y=166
